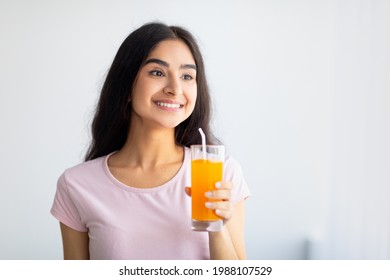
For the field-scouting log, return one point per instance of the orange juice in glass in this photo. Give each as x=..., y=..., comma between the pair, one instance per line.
x=206, y=170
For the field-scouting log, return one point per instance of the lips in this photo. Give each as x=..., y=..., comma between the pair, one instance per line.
x=168, y=104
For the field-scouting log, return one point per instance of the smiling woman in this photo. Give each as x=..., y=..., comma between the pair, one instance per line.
x=131, y=56
x=130, y=198
x=166, y=82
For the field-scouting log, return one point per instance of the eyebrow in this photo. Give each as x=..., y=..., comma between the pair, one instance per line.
x=166, y=64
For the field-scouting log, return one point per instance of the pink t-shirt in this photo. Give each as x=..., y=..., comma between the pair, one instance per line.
x=124, y=222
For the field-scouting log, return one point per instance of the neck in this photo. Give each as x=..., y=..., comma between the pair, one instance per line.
x=149, y=148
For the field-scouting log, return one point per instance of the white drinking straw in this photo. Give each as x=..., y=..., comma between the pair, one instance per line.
x=203, y=143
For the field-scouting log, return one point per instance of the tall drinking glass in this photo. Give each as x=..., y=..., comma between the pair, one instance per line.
x=206, y=170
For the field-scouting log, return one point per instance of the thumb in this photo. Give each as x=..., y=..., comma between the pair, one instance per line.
x=188, y=191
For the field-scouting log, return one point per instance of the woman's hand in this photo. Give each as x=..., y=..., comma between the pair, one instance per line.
x=229, y=243
x=219, y=199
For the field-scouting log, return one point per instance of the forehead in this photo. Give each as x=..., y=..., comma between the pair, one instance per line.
x=172, y=51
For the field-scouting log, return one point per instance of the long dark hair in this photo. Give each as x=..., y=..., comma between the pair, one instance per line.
x=110, y=124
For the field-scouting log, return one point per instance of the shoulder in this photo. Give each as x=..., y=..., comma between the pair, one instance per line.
x=87, y=166
x=234, y=173
x=231, y=164
x=83, y=172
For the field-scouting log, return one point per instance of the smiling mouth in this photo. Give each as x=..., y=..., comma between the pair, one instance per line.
x=169, y=105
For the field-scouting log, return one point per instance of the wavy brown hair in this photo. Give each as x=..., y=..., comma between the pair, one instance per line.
x=110, y=124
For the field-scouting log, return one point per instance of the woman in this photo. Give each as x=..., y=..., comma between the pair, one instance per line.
x=128, y=199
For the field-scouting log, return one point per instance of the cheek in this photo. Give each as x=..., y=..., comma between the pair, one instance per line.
x=141, y=94
x=192, y=100
x=192, y=95
x=139, y=103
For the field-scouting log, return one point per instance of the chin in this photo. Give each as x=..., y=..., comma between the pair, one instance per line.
x=171, y=123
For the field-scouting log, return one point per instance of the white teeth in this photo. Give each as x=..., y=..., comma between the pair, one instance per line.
x=168, y=105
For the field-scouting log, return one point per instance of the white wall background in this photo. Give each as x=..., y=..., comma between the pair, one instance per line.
x=302, y=97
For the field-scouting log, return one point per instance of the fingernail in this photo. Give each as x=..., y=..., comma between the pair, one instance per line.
x=209, y=204
x=218, y=185
x=208, y=194
x=218, y=212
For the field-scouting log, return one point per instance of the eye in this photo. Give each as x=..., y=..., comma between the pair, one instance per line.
x=187, y=77
x=157, y=73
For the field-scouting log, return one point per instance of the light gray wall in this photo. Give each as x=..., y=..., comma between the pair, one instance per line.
x=310, y=129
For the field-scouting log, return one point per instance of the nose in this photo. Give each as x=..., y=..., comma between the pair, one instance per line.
x=173, y=87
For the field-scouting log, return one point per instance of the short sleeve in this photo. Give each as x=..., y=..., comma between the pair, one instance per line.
x=233, y=172
x=64, y=208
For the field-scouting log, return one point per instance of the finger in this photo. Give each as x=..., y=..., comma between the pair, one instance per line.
x=224, y=185
x=226, y=215
x=188, y=191
x=219, y=194
x=220, y=205
x=223, y=209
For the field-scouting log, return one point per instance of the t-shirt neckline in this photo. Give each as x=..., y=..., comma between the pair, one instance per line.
x=167, y=184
